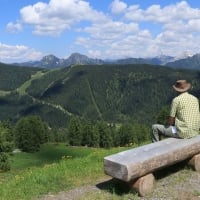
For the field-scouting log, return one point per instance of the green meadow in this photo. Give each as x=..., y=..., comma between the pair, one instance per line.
x=56, y=167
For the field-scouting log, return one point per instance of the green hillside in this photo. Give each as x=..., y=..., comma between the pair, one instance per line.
x=11, y=77
x=115, y=93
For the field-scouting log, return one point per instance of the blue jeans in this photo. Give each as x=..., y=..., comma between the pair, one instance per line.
x=159, y=129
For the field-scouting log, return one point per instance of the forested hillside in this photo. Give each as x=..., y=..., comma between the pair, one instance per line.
x=12, y=77
x=113, y=93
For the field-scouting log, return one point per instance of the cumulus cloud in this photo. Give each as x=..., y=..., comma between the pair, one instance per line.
x=58, y=15
x=118, y=7
x=176, y=29
x=194, y=25
x=154, y=13
x=17, y=53
x=135, y=32
x=13, y=28
x=111, y=30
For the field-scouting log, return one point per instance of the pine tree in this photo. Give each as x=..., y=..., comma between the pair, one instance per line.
x=126, y=134
x=90, y=134
x=105, y=134
x=74, y=132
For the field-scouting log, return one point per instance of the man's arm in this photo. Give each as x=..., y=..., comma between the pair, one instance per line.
x=171, y=121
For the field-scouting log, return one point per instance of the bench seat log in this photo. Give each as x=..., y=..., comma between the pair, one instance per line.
x=134, y=163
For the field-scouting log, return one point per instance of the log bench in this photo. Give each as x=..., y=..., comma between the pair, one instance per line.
x=136, y=166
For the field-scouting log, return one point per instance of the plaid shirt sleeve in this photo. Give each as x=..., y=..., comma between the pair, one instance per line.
x=174, y=107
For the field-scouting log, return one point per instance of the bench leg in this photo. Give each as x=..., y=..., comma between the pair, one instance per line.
x=144, y=185
x=195, y=162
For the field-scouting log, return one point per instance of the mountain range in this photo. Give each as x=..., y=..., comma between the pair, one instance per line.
x=51, y=61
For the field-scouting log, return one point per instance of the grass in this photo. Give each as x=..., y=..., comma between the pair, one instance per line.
x=48, y=154
x=53, y=169
x=57, y=167
x=4, y=93
x=23, y=87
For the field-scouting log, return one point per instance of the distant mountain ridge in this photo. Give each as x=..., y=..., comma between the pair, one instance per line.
x=159, y=60
x=51, y=61
x=191, y=62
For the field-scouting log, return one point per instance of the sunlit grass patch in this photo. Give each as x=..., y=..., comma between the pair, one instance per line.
x=53, y=169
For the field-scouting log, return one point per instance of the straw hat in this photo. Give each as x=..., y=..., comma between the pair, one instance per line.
x=182, y=86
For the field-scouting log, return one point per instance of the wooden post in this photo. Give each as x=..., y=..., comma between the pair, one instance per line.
x=195, y=162
x=144, y=185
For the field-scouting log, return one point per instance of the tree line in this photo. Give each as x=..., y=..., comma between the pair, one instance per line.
x=27, y=135
x=30, y=132
x=105, y=135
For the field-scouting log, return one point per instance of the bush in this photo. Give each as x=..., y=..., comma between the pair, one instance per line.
x=30, y=133
x=6, y=145
x=4, y=162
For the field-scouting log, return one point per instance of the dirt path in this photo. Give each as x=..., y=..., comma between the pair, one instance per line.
x=78, y=192
x=72, y=194
x=181, y=184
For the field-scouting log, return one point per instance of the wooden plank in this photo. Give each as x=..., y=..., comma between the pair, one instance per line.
x=131, y=164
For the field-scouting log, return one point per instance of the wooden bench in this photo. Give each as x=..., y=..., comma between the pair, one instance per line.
x=135, y=166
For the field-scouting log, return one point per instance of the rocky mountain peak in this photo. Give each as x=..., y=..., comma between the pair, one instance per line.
x=77, y=58
x=49, y=58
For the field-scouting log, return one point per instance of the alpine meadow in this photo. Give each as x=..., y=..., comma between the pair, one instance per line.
x=65, y=120
x=89, y=100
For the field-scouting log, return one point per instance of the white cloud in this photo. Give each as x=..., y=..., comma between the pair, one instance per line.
x=176, y=29
x=116, y=39
x=33, y=14
x=13, y=28
x=58, y=15
x=95, y=53
x=194, y=25
x=108, y=37
x=118, y=7
x=178, y=11
x=111, y=30
x=17, y=53
x=136, y=32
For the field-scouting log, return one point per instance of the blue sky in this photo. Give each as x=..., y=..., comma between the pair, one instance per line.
x=31, y=29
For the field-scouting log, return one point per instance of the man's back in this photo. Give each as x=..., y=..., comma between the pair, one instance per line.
x=185, y=109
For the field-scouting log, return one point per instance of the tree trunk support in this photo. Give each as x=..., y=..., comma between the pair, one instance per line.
x=195, y=162
x=143, y=185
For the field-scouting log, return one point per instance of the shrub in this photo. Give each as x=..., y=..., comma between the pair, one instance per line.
x=30, y=133
x=4, y=162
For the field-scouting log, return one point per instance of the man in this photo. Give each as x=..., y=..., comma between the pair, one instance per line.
x=184, y=119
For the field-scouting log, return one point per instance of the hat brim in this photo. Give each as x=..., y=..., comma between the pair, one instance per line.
x=187, y=87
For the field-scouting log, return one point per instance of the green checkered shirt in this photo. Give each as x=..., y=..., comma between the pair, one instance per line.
x=185, y=109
